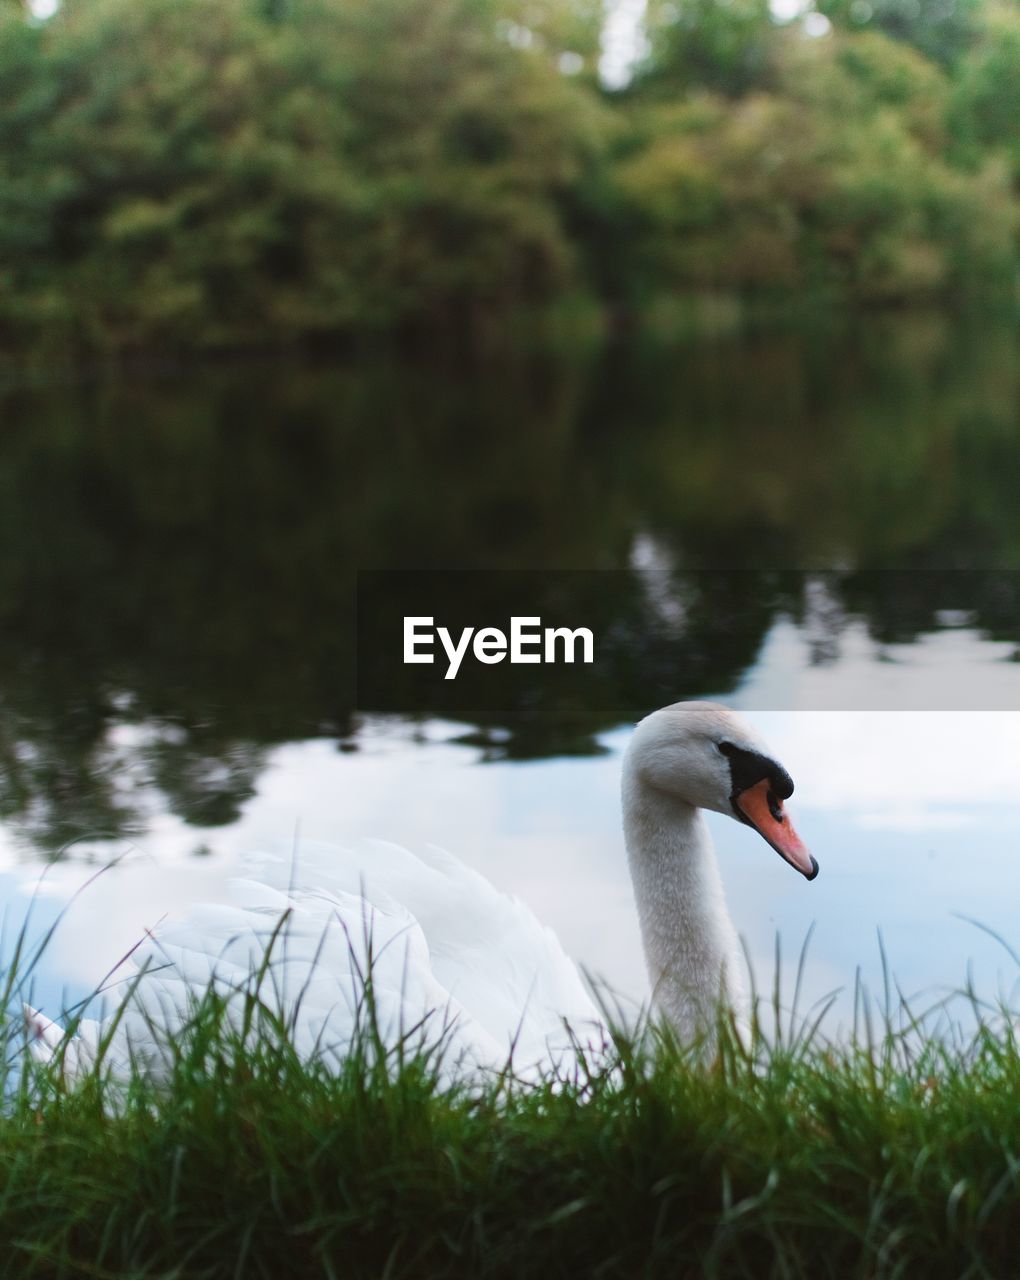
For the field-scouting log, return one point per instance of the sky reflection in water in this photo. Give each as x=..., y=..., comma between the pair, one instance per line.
x=913, y=816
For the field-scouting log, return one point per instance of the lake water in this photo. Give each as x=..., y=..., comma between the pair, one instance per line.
x=822, y=529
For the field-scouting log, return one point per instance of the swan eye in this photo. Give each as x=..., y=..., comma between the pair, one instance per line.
x=725, y=747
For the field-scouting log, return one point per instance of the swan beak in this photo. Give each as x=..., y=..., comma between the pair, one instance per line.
x=762, y=809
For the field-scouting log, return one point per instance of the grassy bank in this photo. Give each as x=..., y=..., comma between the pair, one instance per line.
x=897, y=1154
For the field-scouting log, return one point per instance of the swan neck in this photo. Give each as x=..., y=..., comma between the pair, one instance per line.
x=691, y=948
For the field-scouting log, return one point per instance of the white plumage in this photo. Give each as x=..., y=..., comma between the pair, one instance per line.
x=450, y=957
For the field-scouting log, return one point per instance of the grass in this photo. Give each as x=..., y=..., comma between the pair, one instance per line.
x=895, y=1153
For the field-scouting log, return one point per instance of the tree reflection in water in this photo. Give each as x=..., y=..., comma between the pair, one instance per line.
x=178, y=550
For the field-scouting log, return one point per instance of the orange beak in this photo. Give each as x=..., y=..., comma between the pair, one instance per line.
x=762, y=808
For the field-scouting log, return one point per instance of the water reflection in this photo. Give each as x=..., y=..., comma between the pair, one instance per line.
x=178, y=551
x=913, y=817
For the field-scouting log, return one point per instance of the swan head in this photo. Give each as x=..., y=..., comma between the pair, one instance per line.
x=704, y=754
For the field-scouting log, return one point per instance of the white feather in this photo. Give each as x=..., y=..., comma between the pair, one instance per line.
x=450, y=957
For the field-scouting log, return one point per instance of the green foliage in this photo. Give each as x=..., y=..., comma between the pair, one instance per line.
x=348, y=166
x=893, y=1152
x=722, y=45
x=942, y=30
x=836, y=179
x=196, y=174
x=985, y=112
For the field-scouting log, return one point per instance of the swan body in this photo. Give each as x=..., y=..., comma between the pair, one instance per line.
x=449, y=956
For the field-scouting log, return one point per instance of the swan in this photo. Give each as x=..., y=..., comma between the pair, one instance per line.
x=449, y=955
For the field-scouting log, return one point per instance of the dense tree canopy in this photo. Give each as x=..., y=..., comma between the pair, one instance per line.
x=835, y=177
x=217, y=173
x=942, y=29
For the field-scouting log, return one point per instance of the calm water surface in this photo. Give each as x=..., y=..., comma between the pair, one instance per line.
x=822, y=529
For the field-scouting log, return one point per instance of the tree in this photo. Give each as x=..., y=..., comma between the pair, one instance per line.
x=837, y=180
x=985, y=109
x=355, y=166
x=721, y=45
x=942, y=30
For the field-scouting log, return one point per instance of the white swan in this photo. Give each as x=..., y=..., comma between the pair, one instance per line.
x=446, y=950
